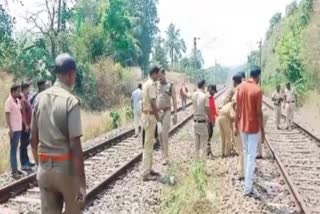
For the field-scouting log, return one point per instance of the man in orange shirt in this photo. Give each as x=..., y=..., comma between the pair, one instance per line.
x=249, y=121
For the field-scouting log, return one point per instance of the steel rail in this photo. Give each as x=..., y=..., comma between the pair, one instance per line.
x=293, y=189
x=101, y=187
x=15, y=188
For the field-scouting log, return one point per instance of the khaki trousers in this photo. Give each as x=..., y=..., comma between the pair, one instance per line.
x=259, y=146
x=55, y=188
x=277, y=114
x=224, y=125
x=164, y=136
x=149, y=125
x=239, y=150
x=201, y=140
x=137, y=121
x=290, y=114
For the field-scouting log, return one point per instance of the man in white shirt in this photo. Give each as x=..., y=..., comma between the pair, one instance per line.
x=136, y=106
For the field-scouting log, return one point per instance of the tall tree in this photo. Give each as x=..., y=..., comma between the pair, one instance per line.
x=159, y=53
x=6, y=41
x=175, y=44
x=118, y=26
x=145, y=20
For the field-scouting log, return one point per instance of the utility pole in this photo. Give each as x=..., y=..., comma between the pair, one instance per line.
x=215, y=71
x=260, y=57
x=194, y=53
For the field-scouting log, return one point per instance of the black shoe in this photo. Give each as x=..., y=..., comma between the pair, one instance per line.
x=31, y=164
x=259, y=157
x=241, y=178
x=16, y=175
x=154, y=173
x=253, y=194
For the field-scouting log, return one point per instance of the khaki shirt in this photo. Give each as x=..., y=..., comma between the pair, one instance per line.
x=165, y=93
x=56, y=115
x=277, y=98
x=200, y=102
x=228, y=111
x=228, y=97
x=289, y=95
x=149, y=92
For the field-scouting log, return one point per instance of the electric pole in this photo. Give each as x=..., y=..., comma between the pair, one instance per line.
x=260, y=57
x=194, y=53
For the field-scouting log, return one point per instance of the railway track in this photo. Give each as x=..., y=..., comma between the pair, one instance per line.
x=297, y=154
x=105, y=163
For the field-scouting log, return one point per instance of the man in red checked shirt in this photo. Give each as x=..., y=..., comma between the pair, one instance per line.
x=212, y=89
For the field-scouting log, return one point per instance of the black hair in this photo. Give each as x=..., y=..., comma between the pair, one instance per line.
x=255, y=73
x=201, y=83
x=212, y=87
x=140, y=85
x=237, y=78
x=14, y=87
x=25, y=85
x=163, y=71
x=242, y=74
x=64, y=64
x=154, y=70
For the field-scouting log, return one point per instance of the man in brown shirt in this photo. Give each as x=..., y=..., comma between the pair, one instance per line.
x=249, y=122
x=26, y=110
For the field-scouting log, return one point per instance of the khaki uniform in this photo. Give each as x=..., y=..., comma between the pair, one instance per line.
x=224, y=122
x=277, y=98
x=149, y=92
x=200, y=101
x=165, y=93
x=56, y=116
x=238, y=145
x=228, y=97
x=265, y=120
x=290, y=107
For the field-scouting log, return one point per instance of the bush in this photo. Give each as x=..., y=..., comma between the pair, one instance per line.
x=113, y=82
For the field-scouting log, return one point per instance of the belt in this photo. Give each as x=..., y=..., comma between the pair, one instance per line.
x=200, y=121
x=54, y=158
x=291, y=101
x=147, y=112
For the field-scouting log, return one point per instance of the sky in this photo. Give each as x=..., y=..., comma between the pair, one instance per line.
x=228, y=29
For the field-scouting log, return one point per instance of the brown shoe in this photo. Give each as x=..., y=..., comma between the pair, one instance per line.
x=149, y=178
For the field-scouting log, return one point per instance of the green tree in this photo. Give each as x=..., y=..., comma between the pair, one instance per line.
x=145, y=20
x=175, y=44
x=6, y=41
x=159, y=53
x=276, y=18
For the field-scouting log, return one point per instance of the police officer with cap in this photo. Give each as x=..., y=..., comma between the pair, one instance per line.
x=56, y=144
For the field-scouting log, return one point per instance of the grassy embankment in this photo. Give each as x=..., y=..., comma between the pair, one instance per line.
x=195, y=192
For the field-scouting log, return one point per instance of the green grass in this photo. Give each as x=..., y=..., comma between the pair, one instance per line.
x=191, y=194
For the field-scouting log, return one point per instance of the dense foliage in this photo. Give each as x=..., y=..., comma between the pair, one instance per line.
x=284, y=50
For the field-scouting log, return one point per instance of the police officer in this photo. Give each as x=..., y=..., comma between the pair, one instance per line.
x=200, y=101
x=277, y=99
x=166, y=93
x=290, y=103
x=265, y=117
x=151, y=119
x=237, y=79
x=56, y=144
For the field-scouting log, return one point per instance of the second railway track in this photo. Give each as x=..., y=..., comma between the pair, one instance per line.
x=297, y=153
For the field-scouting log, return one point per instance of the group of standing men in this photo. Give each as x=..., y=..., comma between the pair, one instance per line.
x=158, y=96
x=18, y=111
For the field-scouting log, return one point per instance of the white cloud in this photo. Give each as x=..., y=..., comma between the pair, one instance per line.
x=237, y=25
